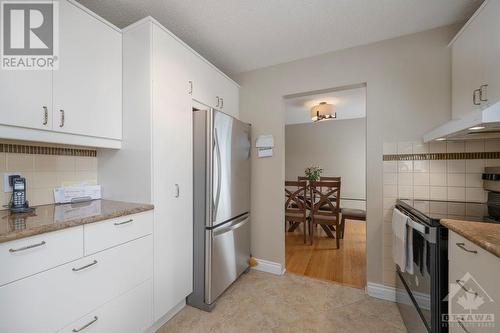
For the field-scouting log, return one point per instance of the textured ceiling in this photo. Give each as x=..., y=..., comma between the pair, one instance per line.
x=241, y=35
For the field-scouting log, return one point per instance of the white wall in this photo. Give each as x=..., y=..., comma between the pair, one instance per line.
x=338, y=146
x=408, y=93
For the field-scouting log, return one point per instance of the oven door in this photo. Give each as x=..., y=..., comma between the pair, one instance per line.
x=415, y=284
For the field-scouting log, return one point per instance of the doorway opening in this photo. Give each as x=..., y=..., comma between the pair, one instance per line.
x=326, y=130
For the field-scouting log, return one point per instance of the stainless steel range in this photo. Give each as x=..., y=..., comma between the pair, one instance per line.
x=421, y=294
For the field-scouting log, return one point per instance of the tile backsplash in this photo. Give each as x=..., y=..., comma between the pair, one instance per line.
x=44, y=172
x=428, y=178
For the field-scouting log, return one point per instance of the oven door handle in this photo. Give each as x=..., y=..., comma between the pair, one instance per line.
x=429, y=235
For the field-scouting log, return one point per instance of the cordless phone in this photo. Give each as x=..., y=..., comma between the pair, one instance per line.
x=18, y=192
x=19, y=204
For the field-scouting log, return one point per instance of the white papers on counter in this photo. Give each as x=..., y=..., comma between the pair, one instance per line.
x=69, y=194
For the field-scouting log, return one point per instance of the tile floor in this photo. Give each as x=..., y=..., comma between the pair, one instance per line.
x=261, y=302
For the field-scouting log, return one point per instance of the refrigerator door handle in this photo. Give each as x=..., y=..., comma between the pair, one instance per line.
x=219, y=174
x=240, y=222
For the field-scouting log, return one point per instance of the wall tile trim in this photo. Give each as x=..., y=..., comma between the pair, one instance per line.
x=42, y=150
x=442, y=156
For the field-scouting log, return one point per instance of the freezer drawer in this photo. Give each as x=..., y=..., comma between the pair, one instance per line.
x=228, y=249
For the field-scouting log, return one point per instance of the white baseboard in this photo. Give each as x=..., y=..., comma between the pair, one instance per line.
x=169, y=315
x=381, y=291
x=269, y=267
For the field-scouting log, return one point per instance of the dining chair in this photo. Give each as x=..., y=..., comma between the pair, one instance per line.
x=326, y=211
x=295, y=207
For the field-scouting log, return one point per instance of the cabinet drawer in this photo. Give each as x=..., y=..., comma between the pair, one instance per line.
x=128, y=313
x=27, y=256
x=109, y=233
x=471, y=257
x=55, y=298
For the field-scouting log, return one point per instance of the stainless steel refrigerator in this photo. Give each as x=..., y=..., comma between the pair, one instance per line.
x=221, y=204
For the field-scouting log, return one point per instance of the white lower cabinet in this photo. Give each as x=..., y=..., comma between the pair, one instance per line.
x=50, y=300
x=474, y=297
x=31, y=255
x=131, y=312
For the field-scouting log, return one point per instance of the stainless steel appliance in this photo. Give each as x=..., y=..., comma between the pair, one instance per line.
x=421, y=294
x=221, y=204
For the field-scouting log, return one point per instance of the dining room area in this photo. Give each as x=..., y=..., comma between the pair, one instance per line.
x=325, y=185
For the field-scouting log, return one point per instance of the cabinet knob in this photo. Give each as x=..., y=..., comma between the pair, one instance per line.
x=177, y=191
x=190, y=87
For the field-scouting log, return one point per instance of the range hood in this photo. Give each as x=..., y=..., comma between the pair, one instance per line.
x=484, y=124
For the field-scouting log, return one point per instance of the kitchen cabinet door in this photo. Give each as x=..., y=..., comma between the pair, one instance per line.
x=467, y=72
x=172, y=165
x=491, y=53
x=207, y=88
x=230, y=95
x=26, y=98
x=88, y=83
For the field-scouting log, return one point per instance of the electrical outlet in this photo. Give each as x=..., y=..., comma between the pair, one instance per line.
x=6, y=186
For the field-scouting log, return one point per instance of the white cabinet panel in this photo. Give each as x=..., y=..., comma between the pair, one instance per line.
x=129, y=313
x=50, y=300
x=230, y=95
x=25, y=98
x=466, y=70
x=31, y=255
x=491, y=44
x=87, y=85
x=475, y=62
x=105, y=234
x=172, y=165
x=206, y=86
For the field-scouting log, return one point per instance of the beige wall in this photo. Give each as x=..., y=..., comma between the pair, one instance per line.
x=338, y=146
x=408, y=92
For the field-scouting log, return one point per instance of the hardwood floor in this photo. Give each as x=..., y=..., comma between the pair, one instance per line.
x=323, y=261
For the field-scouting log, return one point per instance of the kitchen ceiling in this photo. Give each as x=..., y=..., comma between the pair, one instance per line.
x=241, y=35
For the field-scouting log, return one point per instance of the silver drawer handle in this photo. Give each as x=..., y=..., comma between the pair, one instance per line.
x=124, y=222
x=467, y=290
x=86, y=266
x=462, y=246
x=86, y=325
x=462, y=326
x=27, y=247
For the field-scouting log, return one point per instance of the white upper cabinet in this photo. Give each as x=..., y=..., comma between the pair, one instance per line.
x=87, y=85
x=475, y=62
x=491, y=50
x=212, y=88
x=78, y=103
x=18, y=110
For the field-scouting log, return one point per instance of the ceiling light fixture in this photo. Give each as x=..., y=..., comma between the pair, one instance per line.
x=440, y=139
x=323, y=111
x=476, y=128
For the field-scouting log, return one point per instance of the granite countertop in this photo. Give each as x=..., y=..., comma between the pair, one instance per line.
x=49, y=218
x=483, y=234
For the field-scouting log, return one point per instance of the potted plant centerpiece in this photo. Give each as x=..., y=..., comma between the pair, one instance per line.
x=313, y=173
